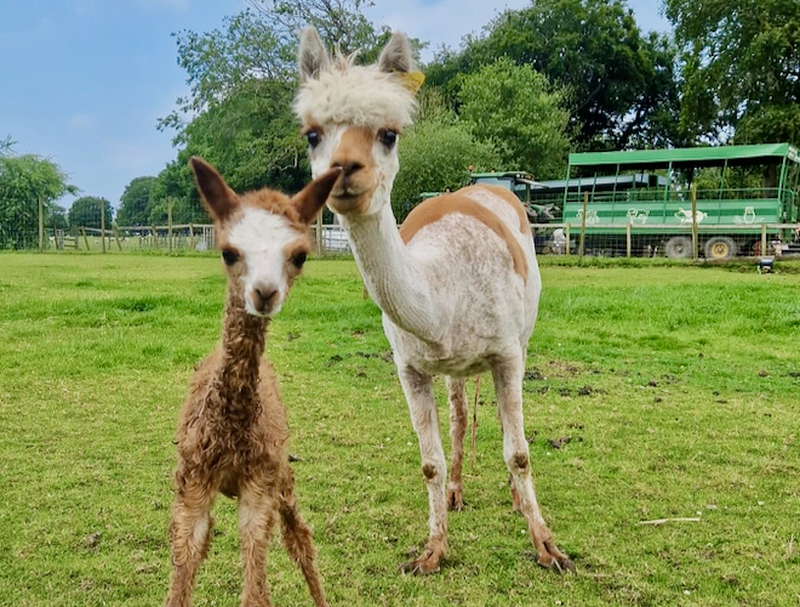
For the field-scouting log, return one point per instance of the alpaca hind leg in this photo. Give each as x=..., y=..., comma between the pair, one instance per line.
x=297, y=537
x=256, y=518
x=418, y=389
x=507, y=375
x=457, y=397
x=189, y=533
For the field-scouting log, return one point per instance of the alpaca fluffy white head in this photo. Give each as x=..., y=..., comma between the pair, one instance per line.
x=337, y=91
x=352, y=116
x=357, y=95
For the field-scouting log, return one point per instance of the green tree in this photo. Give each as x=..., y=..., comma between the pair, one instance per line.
x=251, y=137
x=339, y=22
x=435, y=154
x=134, y=208
x=5, y=146
x=175, y=183
x=57, y=218
x=24, y=181
x=514, y=108
x=85, y=212
x=620, y=86
x=242, y=81
x=741, y=68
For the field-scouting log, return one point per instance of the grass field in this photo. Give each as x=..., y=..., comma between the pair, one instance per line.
x=672, y=392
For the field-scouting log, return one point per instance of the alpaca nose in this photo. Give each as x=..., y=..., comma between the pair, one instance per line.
x=264, y=297
x=348, y=166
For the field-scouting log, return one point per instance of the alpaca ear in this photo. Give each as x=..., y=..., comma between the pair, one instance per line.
x=313, y=58
x=311, y=198
x=220, y=200
x=396, y=56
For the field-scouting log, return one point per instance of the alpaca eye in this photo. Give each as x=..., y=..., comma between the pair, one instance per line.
x=299, y=259
x=313, y=139
x=388, y=138
x=230, y=256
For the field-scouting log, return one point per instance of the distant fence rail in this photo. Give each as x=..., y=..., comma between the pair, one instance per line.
x=689, y=240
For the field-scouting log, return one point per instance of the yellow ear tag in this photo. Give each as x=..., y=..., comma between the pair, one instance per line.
x=412, y=80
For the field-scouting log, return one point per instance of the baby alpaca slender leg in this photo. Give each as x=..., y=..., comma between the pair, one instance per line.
x=507, y=373
x=297, y=537
x=418, y=389
x=457, y=398
x=256, y=518
x=190, y=533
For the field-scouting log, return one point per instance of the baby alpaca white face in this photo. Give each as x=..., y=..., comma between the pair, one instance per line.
x=264, y=252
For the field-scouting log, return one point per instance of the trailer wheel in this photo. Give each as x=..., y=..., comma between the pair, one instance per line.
x=678, y=247
x=720, y=247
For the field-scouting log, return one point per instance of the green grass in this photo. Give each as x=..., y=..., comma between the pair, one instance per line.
x=677, y=387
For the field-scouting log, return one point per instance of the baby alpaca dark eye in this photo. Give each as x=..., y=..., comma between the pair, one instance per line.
x=313, y=139
x=299, y=259
x=230, y=256
x=388, y=138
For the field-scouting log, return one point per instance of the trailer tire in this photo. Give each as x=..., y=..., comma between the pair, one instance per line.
x=678, y=247
x=720, y=247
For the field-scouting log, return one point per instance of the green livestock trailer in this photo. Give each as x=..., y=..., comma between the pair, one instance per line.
x=742, y=195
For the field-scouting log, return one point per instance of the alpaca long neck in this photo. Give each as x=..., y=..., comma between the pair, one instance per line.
x=243, y=342
x=391, y=274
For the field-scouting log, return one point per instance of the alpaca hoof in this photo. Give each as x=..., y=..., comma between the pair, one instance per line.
x=425, y=564
x=560, y=564
x=455, y=500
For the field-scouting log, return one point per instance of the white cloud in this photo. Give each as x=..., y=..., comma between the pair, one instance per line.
x=83, y=121
x=170, y=4
x=85, y=7
x=444, y=23
x=135, y=158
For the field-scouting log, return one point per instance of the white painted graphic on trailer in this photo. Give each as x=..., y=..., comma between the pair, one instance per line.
x=636, y=216
x=748, y=217
x=686, y=216
x=591, y=216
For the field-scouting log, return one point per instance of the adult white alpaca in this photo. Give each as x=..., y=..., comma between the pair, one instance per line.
x=458, y=284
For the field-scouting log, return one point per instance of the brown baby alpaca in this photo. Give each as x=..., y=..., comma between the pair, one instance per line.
x=232, y=435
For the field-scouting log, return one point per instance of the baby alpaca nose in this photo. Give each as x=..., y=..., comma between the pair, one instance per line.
x=264, y=297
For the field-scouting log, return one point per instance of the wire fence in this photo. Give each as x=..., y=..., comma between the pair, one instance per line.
x=688, y=241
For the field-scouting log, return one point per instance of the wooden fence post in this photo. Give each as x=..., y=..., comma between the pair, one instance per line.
x=694, y=222
x=763, y=251
x=567, y=251
x=103, y=225
x=41, y=224
x=582, y=241
x=191, y=236
x=155, y=236
x=116, y=236
x=169, y=225
x=628, y=238
x=85, y=239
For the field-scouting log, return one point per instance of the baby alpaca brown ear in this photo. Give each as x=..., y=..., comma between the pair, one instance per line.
x=310, y=199
x=220, y=200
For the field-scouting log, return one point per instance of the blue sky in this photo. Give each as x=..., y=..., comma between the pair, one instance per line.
x=84, y=81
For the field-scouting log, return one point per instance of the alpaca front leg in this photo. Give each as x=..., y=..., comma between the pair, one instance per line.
x=418, y=389
x=457, y=398
x=189, y=532
x=507, y=375
x=298, y=540
x=255, y=523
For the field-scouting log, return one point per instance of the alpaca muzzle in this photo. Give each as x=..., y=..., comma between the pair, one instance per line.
x=265, y=300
